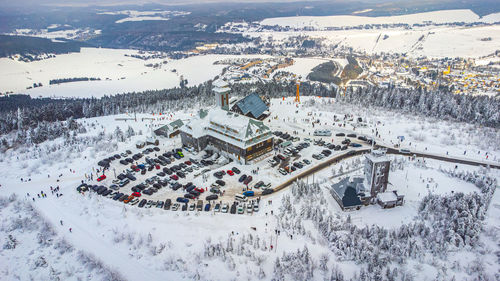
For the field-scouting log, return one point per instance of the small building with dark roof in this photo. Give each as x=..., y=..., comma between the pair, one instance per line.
x=170, y=130
x=349, y=194
x=252, y=106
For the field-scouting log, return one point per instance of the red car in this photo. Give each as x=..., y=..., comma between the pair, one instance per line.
x=157, y=167
x=174, y=177
x=103, y=177
x=200, y=190
x=133, y=167
x=188, y=163
x=229, y=172
x=136, y=194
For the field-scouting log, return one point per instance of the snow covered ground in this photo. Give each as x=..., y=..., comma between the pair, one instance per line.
x=118, y=73
x=120, y=241
x=437, y=17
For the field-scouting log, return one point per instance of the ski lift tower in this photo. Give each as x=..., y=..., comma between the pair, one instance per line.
x=297, y=95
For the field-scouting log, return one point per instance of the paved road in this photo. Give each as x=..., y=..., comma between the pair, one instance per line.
x=351, y=153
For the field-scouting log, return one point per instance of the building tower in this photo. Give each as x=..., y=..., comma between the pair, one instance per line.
x=377, y=166
x=221, y=90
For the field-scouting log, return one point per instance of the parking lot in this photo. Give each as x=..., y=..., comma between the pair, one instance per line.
x=178, y=178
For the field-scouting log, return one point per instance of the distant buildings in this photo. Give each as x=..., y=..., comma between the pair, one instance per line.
x=352, y=194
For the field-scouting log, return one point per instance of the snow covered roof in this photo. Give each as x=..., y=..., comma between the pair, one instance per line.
x=230, y=127
x=221, y=90
x=377, y=156
x=387, y=196
x=252, y=104
x=219, y=83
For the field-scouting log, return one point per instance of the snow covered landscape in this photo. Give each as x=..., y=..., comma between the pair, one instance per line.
x=210, y=141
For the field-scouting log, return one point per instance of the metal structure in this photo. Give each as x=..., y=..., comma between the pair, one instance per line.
x=297, y=95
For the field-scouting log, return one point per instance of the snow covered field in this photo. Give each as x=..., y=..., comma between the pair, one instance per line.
x=118, y=73
x=110, y=240
x=437, y=17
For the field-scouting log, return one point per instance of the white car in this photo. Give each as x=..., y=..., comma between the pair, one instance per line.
x=134, y=201
x=255, y=207
x=250, y=207
x=282, y=171
x=241, y=209
x=224, y=209
x=175, y=207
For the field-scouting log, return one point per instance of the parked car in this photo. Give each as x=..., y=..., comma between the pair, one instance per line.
x=182, y=200
x=235, y=170
x=267, y=191
x=340, y=134
x=224, y=208
x=167, y=204
x=142, y=203
x=249, y=193
x=242, y=178
x=220, y=182
x=207, y=207
x=211, y=197
x=229, y=172
x=101, y=178
x=248, y=180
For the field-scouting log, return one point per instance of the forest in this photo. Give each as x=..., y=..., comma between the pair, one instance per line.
x=22, y=113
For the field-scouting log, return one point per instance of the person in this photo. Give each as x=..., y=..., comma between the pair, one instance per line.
x=70, y=229
x=271, y=247
x=61, y=222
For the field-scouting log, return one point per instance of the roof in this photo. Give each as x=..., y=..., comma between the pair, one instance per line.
x=377, y=156
x=221, y=90
x=219, y=83
x=176, y=124
x=230, y=127
x=252, y=104
x=346, y=190
x=387, y=196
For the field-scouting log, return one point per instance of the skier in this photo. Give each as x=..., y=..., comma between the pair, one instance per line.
x=70, y=229
x=61, y=222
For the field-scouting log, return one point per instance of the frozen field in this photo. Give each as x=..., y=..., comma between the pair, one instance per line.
x=108, y=238
x=445, y=16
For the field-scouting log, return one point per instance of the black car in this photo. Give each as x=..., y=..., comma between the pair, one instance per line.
x=107, y=192
x=363, y=138
x=136, y=157
x=351, y=135
x=220, y=182
x=101, y=190
x=346, y=141
x=211, y=197
x=185, y=207
x=236, y=170
x=121, y=176
x=181, y=174
x=233, y=209
x=190, y=188
x=267, y=191
x=242, y=178
x=148, y=191
x=131, y=177
x=176, y=186
x=344, y=147
x=129, y=160
x=117, y=196
x=167, y=171
x=156, y=148
x=337, y=147
x=117, y=156
x=195, y=193
x=128, y=151
x=124, y=196
x=189, y=196
x=103, y=163
x=142, y=203
x=123, y=162
x=136, y=189
x=340, y=134
x=143, y=171
x=298, y=165
x=326, y=152
x=167, y=204
x=161, y=174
